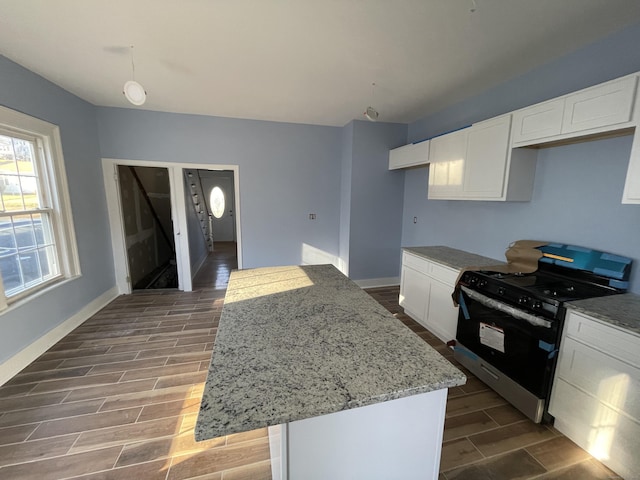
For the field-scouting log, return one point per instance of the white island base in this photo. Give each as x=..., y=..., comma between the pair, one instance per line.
x=394, y=439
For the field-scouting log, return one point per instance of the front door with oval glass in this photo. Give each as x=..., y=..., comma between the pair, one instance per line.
x=218, y=189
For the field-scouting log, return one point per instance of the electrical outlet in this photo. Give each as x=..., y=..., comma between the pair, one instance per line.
x=312, y=216
x=415, y=219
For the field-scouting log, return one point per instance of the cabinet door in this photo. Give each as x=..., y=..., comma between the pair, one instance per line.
x=409, y=155
x=612, y=382
x=414, y=293
x=605, y=433
x=538, y=121
x=446, y=165
x=442, y=315
x=631, y=193
x=486, y=161
x=599, y=106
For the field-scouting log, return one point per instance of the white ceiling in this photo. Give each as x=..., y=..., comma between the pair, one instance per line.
x=303, y=61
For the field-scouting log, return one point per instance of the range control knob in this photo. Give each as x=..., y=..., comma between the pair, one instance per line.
x=501, y=291
x=523, y=300
x=482, y=283
x=537, y=304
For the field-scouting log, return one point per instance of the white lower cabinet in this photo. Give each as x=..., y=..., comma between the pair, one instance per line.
x=425, y=295
x=596, y=392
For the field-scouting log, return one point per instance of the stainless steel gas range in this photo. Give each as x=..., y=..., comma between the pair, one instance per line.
x=510, y=324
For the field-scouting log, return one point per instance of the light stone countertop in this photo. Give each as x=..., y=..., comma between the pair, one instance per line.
x=622, y=311
x=451, y=257
x=301, y=341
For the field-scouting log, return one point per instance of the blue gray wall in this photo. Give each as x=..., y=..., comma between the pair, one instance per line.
x=28, y=93
x=578, y=188
x=286, y=171
x=375, y=224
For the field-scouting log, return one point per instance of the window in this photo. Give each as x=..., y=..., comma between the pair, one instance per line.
x=37, y=242
x=216, y=201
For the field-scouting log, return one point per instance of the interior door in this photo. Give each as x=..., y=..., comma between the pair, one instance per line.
x=219, y=194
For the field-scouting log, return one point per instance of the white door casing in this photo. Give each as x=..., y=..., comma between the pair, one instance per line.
x=178, y=207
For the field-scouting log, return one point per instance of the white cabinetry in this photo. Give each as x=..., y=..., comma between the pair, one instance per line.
x=487, y=156
x=538, y=121
x=425, y=295
x=447, y=165
x=596, y=392
x=409, y=155
x=477, y=164
x=591, y=111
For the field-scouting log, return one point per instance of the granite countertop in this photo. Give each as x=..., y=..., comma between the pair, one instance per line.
x=298, y=342
x=622, y=311
x=452, y=257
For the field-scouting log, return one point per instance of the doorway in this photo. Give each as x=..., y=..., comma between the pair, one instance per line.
x=214, y=200
x=145, y=196
x=186, y=261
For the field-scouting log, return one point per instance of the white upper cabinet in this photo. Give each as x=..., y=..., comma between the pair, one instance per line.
x=410, y=155
x=447, y=164
x=487, y=161
x=477, y=163
x=600, y=106
x=591, y=111
x=487, y=155
x=539, y=121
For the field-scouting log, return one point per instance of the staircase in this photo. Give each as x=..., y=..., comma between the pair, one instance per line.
x=194, y=183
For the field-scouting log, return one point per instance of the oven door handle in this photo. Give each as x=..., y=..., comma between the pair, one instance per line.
x=503, y=307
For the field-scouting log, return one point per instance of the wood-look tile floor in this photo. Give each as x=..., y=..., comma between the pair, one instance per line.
x=118, y=397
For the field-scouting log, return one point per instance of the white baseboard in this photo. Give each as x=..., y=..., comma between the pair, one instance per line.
x=378, y=282
x=9, y=368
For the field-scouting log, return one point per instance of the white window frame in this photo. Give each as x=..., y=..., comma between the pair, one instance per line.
x=55, y=190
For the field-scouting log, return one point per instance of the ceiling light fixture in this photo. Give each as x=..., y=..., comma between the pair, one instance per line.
x=371, y=113
x=133, y=91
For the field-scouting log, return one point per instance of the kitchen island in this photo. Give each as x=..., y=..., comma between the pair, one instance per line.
x=349, y=389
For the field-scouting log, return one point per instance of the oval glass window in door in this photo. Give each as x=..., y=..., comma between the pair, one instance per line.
x=216, y=202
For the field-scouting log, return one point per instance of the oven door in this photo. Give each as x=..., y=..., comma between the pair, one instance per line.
x=520, y=345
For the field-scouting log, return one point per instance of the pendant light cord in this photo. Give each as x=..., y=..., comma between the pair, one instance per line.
x=133, y=66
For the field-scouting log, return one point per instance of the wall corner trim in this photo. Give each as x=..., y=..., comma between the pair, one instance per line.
x=10, y=367
x=378, y=282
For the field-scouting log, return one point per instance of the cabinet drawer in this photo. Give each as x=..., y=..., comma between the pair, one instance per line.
x=444, y=274
x=611, y=381
x=599, y=106
x=616, y=343
x=609, y=436
x=416, y=263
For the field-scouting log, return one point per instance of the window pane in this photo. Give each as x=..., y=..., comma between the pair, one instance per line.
x=216, y=202
x=11, y=277
x=11, y=193
x=18, y=179
x=28, y=254
x=48, y=263
x=30, y=265
x=7, y=238
x=24, y=232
